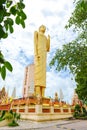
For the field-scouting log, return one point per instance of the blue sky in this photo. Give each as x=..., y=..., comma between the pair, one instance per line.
x=18, y=48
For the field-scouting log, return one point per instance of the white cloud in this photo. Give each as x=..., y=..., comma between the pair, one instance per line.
x=55, y=82
x=18, y=48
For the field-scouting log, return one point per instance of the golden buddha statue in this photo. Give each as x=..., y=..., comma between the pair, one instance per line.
x=41, y=47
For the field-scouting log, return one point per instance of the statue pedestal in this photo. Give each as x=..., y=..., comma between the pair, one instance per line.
x=41, y=109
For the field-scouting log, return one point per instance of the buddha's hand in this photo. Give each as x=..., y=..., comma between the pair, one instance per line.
x=38, y=57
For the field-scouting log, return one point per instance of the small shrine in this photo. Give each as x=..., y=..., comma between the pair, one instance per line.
x=3, y=96
x=5, y=100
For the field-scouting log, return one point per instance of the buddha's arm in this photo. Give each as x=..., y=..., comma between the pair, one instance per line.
x=48, y=43
x=36, y=42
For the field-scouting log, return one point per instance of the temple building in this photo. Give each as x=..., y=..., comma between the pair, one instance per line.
x=3, y=93
x=76, y=100
x=28, y=85
x=4, y=97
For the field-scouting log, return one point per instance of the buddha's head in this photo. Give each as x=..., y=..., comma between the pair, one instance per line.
x=42, y=28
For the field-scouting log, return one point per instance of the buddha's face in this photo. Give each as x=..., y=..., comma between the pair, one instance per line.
x=42, y=28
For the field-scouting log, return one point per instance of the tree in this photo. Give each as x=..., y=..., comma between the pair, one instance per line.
x=73, y=55
x=11, y=12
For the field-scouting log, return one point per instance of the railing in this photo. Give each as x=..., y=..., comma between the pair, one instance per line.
x=30, y=105
x=5, y=107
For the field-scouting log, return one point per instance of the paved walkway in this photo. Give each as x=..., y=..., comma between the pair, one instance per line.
x=31, y=125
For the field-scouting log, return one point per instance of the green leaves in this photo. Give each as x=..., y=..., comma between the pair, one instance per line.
x=9, y=3
x=10, y=13
x=73, y=55
x=8, y=66
x=20, y=18
x=22, y=23
x=11, y=29
x=79, y=15
x=21, y=5
x=17, y=20
x=23, y=16
x=7, y=9
x=8, y=23
x=13, y=10
x=2, y=2
x=3, y=68
x=2, y=32
x=4, y=65
x=3, y=72
x=1, y=14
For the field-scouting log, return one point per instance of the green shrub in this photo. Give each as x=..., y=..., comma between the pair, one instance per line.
x=8, y=116
x=80, y=113
x=84, y=111
x=11, y=112
x=18, y=116
x=77, y=111
x=1, y=119
x=75, y=114
x=3, y=113
x=13, y=123
x=78, y=108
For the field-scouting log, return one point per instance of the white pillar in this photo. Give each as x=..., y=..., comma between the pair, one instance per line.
x=51, y=109
x=69, y=110
x=18, y=109
x=38, y=109
x=61, y=109
x=26, y=109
